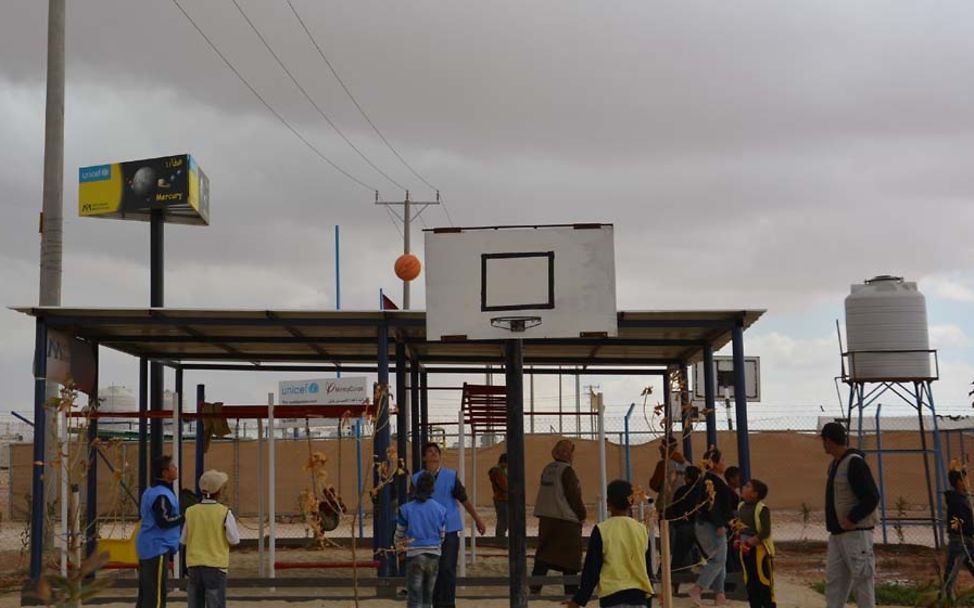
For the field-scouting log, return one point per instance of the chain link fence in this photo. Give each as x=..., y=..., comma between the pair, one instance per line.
x=785, y=453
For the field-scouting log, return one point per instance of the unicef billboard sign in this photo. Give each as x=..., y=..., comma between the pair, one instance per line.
x=324, y=391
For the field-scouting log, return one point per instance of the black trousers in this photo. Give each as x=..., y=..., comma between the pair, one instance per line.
x=760, y=579
x=153, y=580
x=445, y=590
x=541, y=568
x=500, y=507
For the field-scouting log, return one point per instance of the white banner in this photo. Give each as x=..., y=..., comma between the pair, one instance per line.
x=324, y=391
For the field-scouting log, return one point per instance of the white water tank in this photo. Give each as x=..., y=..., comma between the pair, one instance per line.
x=886, y=326
x=117, y=399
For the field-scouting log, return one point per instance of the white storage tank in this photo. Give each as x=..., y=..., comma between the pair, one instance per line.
x=887, y=314
x=117, y=399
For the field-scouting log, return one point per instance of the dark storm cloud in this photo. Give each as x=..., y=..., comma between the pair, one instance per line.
x=758, y=154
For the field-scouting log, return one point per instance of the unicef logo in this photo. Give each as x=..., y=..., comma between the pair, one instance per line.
x=313, y=387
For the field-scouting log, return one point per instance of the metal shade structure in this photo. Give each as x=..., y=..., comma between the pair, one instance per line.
x=647, y=343
x=177, y=336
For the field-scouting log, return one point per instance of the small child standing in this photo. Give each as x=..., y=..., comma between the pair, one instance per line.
x=755, y=545
x=421, y=524
x=209, y=531
x=617, y=559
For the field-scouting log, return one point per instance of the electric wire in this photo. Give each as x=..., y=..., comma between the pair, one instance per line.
x=311, y=100
x=368, y=119
x=267, y=105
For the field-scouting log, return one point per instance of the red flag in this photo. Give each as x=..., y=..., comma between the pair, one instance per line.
x=388, y=304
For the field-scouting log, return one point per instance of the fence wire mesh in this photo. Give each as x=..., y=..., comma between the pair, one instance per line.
x=785, y=453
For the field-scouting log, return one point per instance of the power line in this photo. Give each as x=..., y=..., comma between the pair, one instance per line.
x=276, y=114
x=334, y=72
x=311, y=99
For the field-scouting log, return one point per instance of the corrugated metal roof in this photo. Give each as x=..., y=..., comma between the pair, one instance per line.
x=645, y=338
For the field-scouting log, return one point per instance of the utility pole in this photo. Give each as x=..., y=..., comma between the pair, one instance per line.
x=406, y=219
x=595, y=402
x=51, y=221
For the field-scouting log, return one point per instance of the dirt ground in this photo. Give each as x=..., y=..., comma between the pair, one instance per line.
x=799, y=564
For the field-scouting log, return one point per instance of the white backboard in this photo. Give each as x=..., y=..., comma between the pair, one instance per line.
x=563, y=275
x=724, y=378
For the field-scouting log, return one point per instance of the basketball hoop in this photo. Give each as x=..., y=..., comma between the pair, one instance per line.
x=515, y=324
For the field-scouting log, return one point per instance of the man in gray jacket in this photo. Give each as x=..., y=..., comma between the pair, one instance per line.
x=851, y=498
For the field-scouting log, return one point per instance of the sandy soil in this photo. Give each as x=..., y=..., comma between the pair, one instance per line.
x=800, y=564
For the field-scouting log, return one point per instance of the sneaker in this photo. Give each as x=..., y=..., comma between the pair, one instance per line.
x=695, y=595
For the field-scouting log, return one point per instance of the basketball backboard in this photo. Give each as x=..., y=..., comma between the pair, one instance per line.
x=724, y=377
x=520, y=282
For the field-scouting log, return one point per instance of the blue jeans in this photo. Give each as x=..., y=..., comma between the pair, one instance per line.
x=445, y=591
x=420, y=579
x=207, y=588
x=714, y=547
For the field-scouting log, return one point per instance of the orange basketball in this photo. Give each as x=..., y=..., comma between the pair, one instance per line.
x=407, y=267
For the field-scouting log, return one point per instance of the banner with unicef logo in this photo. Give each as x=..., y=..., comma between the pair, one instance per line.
x=324, y=391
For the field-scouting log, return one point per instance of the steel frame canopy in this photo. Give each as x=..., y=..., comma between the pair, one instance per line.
x=648, y=342
x=179, y=336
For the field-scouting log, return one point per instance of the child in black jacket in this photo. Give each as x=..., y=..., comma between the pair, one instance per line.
x=960, y=524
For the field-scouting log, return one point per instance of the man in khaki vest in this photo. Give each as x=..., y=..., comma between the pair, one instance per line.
x=851, y=498
x=209, y=531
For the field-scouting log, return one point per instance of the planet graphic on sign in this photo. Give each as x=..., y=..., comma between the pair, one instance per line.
x=143, y=181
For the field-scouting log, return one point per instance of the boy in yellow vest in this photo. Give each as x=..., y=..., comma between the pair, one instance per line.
x=617, y=560
x=755, y=545
x=209, y=531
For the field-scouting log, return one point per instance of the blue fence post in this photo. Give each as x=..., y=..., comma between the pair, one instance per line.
x=882, y=477
x=358, y=462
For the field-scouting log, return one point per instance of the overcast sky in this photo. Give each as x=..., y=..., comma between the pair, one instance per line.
x=750, y=154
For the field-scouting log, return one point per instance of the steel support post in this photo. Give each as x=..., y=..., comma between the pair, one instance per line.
x=740, y=403
x=199, y=447
x=381, y=534
x=686, y=421
x=518, y=563
x=91, y=489
x=415, y=435
x=37, y=478
x=402, y=417
x=156, y=300
x=424, y=406
x=143, y=426
x=710, y=395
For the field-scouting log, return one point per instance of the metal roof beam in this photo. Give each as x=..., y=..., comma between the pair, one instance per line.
x=447, y=359
x=365, y=369
x=56, y=321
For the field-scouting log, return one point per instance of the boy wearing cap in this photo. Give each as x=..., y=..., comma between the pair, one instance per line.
x=209, y=531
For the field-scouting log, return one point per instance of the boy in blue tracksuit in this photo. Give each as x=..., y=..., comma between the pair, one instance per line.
x=421, y=526
x=158, y=536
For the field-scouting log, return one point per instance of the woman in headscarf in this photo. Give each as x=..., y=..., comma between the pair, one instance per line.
x=560, y=512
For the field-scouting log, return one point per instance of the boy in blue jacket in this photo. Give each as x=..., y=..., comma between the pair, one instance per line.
x=421, y=526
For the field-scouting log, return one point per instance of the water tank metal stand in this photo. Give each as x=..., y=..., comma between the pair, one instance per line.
x=919, y=396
